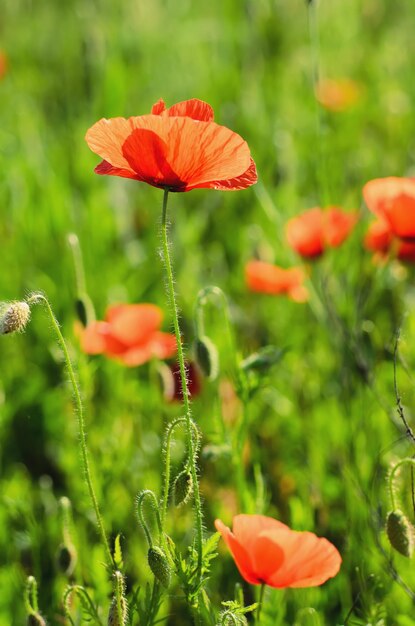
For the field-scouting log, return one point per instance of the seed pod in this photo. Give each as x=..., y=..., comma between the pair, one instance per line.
x=66, y=558
x=207, y=357
x=400, y=533
x=35, y=619
x=113, y=619
x=159, y=565
x=182, y=488
x=14, y=318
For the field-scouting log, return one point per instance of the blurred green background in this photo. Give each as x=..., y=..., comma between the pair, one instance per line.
x=322, y=428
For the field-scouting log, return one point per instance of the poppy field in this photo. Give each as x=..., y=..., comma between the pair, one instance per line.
x=207, y=373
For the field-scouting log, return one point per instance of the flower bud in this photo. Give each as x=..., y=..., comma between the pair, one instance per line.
x=113, y=619
x=159, y=565
x=182, y=488
x=14, y=318
x=207, y=357
x=35, y=619
x=400, y=532
x=66, y=558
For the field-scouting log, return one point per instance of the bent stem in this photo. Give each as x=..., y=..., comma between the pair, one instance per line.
x=40, y=298
x=186, y=401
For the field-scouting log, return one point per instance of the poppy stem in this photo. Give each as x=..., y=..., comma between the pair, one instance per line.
x=37, y=299
x=186, y=401
x=260, y=603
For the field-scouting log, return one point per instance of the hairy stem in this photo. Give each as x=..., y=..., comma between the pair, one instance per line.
x=189, y=434
x=36, y=299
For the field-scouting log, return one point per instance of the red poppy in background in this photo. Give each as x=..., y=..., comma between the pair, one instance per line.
x=179, y=149
x=172, y=383
x=268, y=552
x=130, y=334
x=310, y=233
x=380, y=239
x=393, y=201
x=338, y=94
x=267, y=278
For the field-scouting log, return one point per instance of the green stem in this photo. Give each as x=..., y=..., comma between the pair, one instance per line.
x=260, y=603
x=147, y=493
x=35, y=299
x=167, y=462
x=185, y=390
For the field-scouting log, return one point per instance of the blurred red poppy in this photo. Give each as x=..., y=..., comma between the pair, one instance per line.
x=313, y=231
x=393, y=201
x=267, y=278
x=130, y=334
x=338, y=94
x=380, y=239
x=179, y=149
x=172, y=383
x=268, y=552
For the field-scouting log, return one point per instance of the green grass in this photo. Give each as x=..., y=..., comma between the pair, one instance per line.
x=323, y=429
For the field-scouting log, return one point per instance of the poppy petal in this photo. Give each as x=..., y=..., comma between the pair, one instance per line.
x=133, y=324
x=309, y=560
x=163, y=345
x=135, y=356
x=106, y=169
x=194, y=108
x=106, y=138
x=266, y=278
x=93, y=337
x=158, y=107
x=393, y=200
x=243, y=181
x=239, y=553
x=268, y=557
x=147, y=155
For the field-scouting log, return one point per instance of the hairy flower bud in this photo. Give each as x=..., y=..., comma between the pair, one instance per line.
x=400, y=532
x=113, y=619
x=159, y=565
x=182, y=488
x=14, y=317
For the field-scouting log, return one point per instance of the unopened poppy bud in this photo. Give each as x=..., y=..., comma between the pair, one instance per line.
x=35, y=619
x=81, y=311
x=159, y=565
x=207, y=357
x=66, y=558
x=182, y=488
x=400, y=533
x=113, y=618
x=14, y=318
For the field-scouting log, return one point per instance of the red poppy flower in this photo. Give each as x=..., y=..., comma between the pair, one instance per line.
x=393, y=201
x=172, y=383
x=180, y=148
x=380, y=239
x=313, y=231
x=130, y=334
x=338, y=94
x=267, y=278
x=267, y=551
